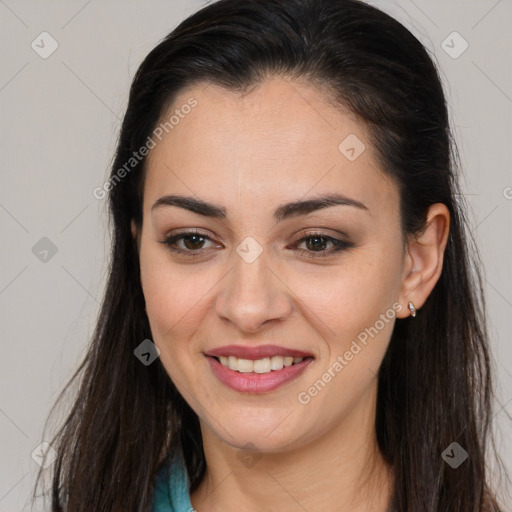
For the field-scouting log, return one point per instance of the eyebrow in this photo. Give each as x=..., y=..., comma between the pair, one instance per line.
x=285, y=211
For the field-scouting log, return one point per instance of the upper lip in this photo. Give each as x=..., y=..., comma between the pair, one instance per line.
x=254, y=353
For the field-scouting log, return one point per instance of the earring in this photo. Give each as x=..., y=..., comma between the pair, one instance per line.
x=412, y=309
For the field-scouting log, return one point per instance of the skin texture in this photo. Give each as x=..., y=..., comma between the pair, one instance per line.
x=250, y=153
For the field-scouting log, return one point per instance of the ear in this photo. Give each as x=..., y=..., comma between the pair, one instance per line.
x=424, y=259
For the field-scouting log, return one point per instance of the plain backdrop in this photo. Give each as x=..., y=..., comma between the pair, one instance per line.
x=60, y=118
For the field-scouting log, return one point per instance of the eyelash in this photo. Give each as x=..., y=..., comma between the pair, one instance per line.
x=339, y=245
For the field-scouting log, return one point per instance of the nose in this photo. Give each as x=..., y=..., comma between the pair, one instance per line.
x=253, y=295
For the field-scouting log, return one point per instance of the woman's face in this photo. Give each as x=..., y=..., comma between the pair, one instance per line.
x=252, y=277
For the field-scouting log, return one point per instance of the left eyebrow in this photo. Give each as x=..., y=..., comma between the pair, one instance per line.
x=281, y=213
x=296, y=208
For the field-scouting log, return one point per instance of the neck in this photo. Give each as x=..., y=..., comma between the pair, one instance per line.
x=340, y=470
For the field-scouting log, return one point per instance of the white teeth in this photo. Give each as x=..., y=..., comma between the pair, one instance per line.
x=264, y=365
x=245, y=365
x=276, y=363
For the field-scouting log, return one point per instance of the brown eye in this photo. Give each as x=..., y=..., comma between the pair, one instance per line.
x=316, y=244
x=193, y=243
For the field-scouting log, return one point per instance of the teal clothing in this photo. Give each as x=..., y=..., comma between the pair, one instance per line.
x=172, y=488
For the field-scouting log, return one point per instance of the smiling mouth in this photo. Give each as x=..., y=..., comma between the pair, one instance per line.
x=264, y=365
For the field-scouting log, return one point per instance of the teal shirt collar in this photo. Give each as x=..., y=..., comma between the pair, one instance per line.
x=172, y=487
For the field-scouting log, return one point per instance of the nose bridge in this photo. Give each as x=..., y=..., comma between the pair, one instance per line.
x=252, y=294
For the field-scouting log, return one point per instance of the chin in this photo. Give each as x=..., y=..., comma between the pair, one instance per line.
x=260, y=435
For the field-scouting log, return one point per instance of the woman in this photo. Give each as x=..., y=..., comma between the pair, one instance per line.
x=292, y=320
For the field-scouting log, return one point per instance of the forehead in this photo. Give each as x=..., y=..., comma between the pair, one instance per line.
x=279, y=140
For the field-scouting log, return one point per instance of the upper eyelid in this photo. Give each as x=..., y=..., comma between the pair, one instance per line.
x=299, y=239
x=339, y=245
x=184, y=234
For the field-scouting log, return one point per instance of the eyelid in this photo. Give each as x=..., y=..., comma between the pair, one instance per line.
x=168, y=240
x=339, y=244
x=320, y=232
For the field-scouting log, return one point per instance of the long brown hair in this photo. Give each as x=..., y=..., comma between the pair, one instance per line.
x=434, y=385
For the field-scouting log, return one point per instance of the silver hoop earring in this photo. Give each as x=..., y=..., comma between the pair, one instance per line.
x=412, y=309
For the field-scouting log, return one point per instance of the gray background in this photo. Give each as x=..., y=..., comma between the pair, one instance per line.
x=60, y=118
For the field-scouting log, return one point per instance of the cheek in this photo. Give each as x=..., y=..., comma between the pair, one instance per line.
x=170, y=295
x=354, y=311
x=170, y=300
x=353, y=295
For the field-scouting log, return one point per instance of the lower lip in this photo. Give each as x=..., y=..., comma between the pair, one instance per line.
x=256, y=382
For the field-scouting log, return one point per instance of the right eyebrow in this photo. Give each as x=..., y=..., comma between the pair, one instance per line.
x=192, y=204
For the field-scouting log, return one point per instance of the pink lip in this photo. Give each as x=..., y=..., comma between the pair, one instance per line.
x=257, y=382
x=253, y=353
